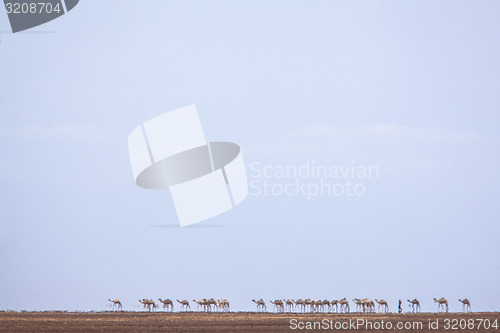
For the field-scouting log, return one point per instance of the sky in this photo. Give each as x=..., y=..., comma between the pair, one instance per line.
x=409, y=88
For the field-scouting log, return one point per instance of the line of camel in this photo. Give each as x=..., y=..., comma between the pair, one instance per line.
x=363, y=305
x=290, y=305
x=207, y=305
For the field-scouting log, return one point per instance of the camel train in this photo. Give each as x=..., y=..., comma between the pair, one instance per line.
x=206, y=305
x=364, y=305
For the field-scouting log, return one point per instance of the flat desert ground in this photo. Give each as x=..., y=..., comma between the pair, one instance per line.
x=241, y=322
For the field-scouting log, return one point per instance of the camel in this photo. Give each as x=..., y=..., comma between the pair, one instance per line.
x=336, y=304
x=415, y=305
x=184, y=304
x=116, y=303
x=152, y=304
x=364, y=304
x=148, y=303
x=227, y=306
x=211, y=302
x=344, y=305
x=311, y=303
x=319, y=306
x=441, y=303
x=281, y=304
x=288, y=305
x=326, y=305
x=371, y=306
x=143, y=302
x=278, y=305
x=203, y=303
x=465, y=305
x=167, y=304
x=261, y=305
x=315, y=305
x=308, y=303
x=223, y=305
x=382, y=304
x=358, y=304
x=300, y=303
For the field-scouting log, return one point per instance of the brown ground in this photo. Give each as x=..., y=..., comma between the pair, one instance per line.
x=127, y=322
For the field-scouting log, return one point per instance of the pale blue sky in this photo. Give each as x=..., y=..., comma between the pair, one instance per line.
x=409, y=86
